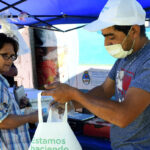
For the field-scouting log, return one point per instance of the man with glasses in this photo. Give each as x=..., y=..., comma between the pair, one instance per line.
x=13, y=125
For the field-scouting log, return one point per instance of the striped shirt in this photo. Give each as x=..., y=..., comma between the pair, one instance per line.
x=11, y=139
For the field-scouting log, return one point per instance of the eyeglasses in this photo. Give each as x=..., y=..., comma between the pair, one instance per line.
x=7, y=57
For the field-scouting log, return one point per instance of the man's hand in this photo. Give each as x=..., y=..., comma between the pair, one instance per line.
x=60, y=92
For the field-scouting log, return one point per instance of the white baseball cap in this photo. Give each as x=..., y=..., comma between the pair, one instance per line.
x=118, y=12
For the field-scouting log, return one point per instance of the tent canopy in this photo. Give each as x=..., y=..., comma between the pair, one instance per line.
x=47, y=13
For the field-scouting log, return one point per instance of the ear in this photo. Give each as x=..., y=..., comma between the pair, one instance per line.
x=135, y=31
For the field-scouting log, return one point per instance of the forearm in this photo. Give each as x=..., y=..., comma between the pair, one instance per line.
x=97, y=92
x=14, y=121
x=106, y=109
x=104, y=91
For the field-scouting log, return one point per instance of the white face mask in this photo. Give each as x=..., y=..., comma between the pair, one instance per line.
x=117, y=51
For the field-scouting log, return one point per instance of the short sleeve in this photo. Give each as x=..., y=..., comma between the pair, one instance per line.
x=113, y=71
x=4, y=102
x=142, y=77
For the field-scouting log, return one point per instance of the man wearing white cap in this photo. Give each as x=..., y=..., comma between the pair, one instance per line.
x=122, y=25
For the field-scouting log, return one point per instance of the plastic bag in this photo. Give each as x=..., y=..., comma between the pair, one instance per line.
x=53, y=135
x=58, y=111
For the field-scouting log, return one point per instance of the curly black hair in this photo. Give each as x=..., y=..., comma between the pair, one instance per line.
x=4, y=38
